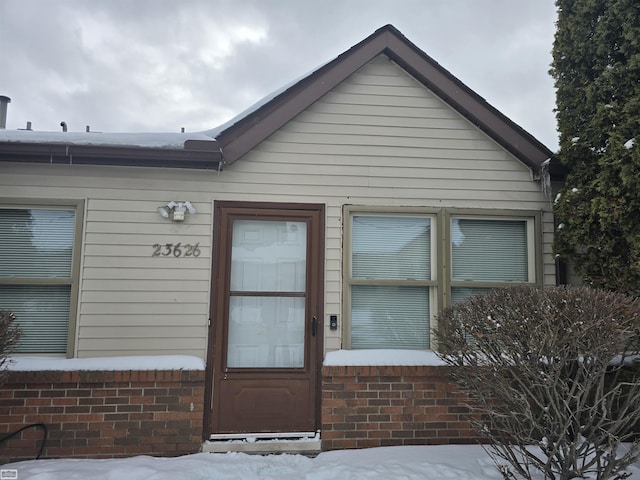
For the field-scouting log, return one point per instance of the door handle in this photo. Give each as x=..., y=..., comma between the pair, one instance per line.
x=314, y=326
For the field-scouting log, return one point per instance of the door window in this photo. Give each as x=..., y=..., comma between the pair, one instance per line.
x=267, y=294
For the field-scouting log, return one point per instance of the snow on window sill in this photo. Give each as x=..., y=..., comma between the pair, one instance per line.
x=151, y=362
x=382, y=357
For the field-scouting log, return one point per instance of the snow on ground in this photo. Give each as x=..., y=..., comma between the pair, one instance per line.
x=398, y=463
x=465, y=462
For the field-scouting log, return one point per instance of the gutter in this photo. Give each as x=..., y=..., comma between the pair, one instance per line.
x=196, y=154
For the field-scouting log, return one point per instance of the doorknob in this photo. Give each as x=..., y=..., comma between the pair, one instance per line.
x=314, y=326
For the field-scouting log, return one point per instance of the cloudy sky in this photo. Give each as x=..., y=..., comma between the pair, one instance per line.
x=159, y=65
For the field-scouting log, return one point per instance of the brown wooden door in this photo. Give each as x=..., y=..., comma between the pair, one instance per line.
x=267, y=315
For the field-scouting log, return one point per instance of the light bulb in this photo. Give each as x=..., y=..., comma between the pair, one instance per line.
x=164, y=212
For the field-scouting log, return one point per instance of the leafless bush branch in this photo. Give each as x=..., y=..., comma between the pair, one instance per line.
x=549, y=375
x=9, y=335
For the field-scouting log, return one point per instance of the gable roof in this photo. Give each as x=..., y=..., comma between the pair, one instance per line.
x=240, y=136
x=229, y=142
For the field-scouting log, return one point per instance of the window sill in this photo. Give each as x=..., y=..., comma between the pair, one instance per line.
x=382, y=357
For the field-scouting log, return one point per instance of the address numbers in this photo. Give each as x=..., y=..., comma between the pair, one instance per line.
x=176, y=250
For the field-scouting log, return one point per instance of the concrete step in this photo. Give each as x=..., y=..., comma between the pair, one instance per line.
x=265, y=443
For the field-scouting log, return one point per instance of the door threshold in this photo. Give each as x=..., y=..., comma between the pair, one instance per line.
x=253, y=437
x=304, y=443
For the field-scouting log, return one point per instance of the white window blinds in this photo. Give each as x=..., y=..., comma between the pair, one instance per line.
x=389, y=317
x=489, y=250
x=36, y=249
x=42, y=313
x=397, y=279
x=391, y=248
x=387, y=254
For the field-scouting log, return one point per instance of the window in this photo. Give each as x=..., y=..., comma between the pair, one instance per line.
x=488, y=253
x=401, y=266
x=391, y=272
x=38, y=273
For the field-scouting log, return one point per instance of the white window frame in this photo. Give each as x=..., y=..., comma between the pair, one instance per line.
x=441, y=254
x=74, y=281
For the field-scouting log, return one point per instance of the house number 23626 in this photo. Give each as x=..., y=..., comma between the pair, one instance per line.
x=176, y=250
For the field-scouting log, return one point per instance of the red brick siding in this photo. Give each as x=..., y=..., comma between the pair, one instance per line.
x=386, y=406
x=102, y=413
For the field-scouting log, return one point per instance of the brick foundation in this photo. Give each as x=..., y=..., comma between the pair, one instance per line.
x=102, y=413
x=387, y=406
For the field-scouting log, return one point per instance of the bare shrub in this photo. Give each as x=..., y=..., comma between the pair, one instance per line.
x=9, y=335
x=548, y=371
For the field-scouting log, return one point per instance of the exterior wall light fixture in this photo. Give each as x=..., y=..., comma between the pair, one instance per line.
x=176, y=210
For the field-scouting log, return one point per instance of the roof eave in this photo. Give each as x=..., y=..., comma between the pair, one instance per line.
x=468, y=103
x=191, y=157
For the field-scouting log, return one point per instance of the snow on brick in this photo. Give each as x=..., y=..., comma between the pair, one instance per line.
x=381, y=357
x=151, y=362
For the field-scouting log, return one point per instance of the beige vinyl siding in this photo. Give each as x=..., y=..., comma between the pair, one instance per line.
x=379, y=138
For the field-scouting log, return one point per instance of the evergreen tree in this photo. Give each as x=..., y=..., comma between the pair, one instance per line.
x=596, y=67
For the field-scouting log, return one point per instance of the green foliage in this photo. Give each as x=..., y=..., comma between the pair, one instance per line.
x=547, y=369
x=596, y=67
x=9, y=335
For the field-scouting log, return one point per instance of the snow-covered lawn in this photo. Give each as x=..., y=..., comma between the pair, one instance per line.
x=468, y=462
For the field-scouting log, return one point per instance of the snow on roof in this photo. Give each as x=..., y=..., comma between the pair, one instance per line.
x=168, y=140
x=214, y=132
x=381, y=357
x=152, y=362
x=149, y=140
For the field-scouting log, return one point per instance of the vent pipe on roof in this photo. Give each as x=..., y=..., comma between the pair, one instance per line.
x=64, y=126
x=4, y=101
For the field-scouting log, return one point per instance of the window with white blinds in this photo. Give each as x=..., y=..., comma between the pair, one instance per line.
x=488, y=253
x=391, y=265
x=36, y=274
x=391, y=248
x=489, y=250
x=389, y=317
x=397, y=278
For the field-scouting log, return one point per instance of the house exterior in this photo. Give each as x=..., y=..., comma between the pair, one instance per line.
x=340, y=214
